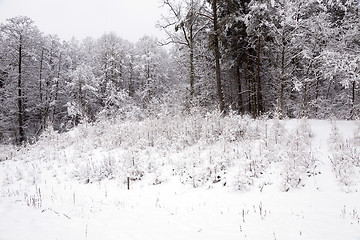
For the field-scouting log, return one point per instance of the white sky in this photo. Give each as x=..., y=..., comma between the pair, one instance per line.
x=130, y=19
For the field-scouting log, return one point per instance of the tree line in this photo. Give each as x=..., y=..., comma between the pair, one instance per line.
x=291, y=58
x=49, y=82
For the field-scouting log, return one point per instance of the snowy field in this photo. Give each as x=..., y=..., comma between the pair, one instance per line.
x=190, y=178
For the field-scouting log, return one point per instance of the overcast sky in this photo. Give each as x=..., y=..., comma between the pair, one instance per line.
x=130, y=19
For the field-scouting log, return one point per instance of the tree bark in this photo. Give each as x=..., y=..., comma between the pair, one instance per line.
x=41, y=91
x=217, y=59
x=40, y=75
x=56, y=89
x=254, y=103
x=20, y=97
x=192, y=71
x=317, y=94
x=353, y=100
x=282, y=76
x=239, y=86
x=304, y=100
x=248, y=81
x=259, y=107
x=353, y=92
x=131, y=82
x=191, y=46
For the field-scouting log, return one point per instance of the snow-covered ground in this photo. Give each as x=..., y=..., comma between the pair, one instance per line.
x=278, y=180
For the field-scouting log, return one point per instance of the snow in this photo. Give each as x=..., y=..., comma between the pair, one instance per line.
x=41, y=197
x=272, y=2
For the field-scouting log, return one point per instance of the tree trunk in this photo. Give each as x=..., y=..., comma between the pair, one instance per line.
x=191, y=46
x=78, y=117
x=254, y=103
x=248, y=81
x=41, y=91
x=239, y=89
x=317, y=94
x=20, y=97
x=352, y=111
x=192, y=71
x=305, y=100
x=217, y=59
x=353, y=92
x=56, y=89
x=282, y=76
x=131, y=82
x=259, y=107
x=40, y=75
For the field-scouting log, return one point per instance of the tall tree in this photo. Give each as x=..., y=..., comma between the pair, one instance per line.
x=217, y=56
x=49, y=58
x=183, y=26
x=259, y=25
x=152, y=65
x=234, y=40
x=342, y=56
x=20, y=35
x=83, y=88
x=111, y=60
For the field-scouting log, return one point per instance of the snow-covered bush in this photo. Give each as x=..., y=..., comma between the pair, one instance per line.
x=299, y=160
x=277, y=132
x=355, y=152
x=7, y=152
x=344, y=157
x=203, y=150
x=88, y=170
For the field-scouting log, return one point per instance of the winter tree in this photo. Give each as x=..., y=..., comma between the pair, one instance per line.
x=183, y=27
x=19, y=42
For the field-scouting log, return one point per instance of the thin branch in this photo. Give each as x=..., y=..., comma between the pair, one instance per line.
x=207, y=16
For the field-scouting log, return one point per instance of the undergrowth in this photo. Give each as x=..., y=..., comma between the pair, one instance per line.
x=202, y=150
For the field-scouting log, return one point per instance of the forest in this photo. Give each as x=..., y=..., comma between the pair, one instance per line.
x=279, y=58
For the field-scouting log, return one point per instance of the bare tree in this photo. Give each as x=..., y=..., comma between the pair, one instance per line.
x=183, y=26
